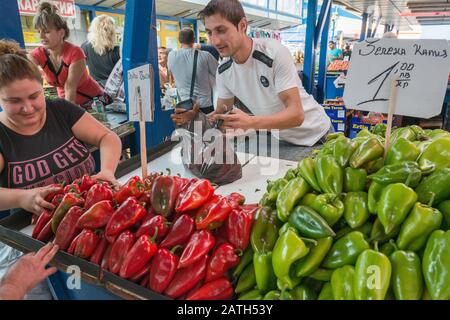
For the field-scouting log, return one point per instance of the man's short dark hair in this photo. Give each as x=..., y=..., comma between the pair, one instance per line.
x=331, y=41
x=186, y=36
x=229, y=9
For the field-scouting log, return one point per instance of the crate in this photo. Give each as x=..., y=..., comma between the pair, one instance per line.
x=339, y=125
x=335, y=112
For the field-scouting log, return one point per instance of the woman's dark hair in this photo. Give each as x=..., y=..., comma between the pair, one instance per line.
x=15, y=67
x=48, y=17
x=229, y=9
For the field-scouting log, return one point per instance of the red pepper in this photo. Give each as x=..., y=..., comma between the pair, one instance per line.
x=220, y=289
x=197, y=247
x=99, y=252
x=141, y=253
x=221, y=235
x=86, y=182
x=144, y=281
x=73, y=188
x=250, y=209
x=235, y=200
x=46, y=232
x=144, y=272
x=98, y=192
x=222, y=260
x=86, y=243
x=70, y=200
x=67, y=229
x=238, y=228
x=145, y=198
x=120, y=250
x=185, y=279
x=180, y=233
x=194, y=289
x=194, y=195
x=34, y=218
x=125, y=216
x=149, y=180
x=157, y=224
x=213, y=213
x=165, y=191
x=49, y=197
x=42, y=220
x=57, y=199
x=97, y=216
x=162, y=270
x=105, y=259
x=72, y=246
x=133, y=188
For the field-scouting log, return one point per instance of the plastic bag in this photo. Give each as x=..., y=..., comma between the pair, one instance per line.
x=207, y=153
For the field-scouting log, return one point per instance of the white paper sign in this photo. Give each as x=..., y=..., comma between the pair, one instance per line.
x=140, y=93
x=421, y=68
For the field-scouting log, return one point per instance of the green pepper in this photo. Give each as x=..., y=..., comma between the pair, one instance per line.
x=264, y=230
x=343, y=150
x=265, y=276
x=405, y=133
x=328, y=147
x=309, y=223
x=308, y=199
x=356, y=212
x=436, y=156
x=444, y=208
x=379, y=235
x=374, y=165
x=245, y=260
x=365, y=229
x=334, y=135
x=303, y=292
x=404, y=172
x=402, y=150
x=321, y=275
x=329, y=206
x=251, y=295
x=372, y=276
x=277, y=295
x=395, y=203
x=379, y=129
x=275, y=189
x=417, y=227
x=436, y=265
x=290, y=174
x=329, y=174
x=369, y=150
x=364, y=133
x=354, y=179
x=307, y=265
x=326, y=293
x=373, y=196
x=247, y=280
x=345, y=250
x=435, y=187
x=388, y=248
x=306, y=170
x=287, y=198
x=437, y=134
x=407, y=280
x=265, y=202
x=342, y=283
x=418, y=131
x=288, y=249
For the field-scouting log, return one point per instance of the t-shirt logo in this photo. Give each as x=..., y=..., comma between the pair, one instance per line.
x=264, y=81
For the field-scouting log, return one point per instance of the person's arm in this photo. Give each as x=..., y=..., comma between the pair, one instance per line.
x=28, y=272
x=89, y=130
x=76, y=70
x=31, y=200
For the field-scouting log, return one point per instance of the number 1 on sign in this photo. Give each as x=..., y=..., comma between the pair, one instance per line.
x=387, y=73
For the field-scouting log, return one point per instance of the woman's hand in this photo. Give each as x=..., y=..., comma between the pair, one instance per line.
x=107, y=176
x=27, y=272
x=33, y=200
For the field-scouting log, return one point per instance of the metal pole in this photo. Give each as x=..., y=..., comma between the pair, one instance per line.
x=321, y=85
x=310, y=50
x=362, y=36
x=10, y=25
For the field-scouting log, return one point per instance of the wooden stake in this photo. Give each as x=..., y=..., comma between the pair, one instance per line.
x=391, y=111
x=143, y=137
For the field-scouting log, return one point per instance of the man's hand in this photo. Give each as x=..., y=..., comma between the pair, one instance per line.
x=27, y=272
x=182, y=117
x=236, y=119
x=33, y=200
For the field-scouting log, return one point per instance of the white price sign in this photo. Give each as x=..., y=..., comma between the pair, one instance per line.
x=420, y=69
x=140, y=93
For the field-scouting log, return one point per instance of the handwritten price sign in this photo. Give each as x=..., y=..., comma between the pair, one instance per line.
x=420, y=69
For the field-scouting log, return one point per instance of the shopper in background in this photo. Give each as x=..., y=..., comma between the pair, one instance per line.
x=163, y=69
x=101, y=50
x=261, y=73
x=347, y=53
x=63, y=63
x=334, y=53
x=181, y=66
x=43, y=142
x=208, y=48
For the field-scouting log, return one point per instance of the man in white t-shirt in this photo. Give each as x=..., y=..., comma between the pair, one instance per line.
x=260, y=73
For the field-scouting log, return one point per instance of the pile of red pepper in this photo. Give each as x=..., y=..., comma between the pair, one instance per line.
x=170, y=234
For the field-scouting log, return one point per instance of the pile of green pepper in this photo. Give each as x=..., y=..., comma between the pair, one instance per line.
x=351, y=224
